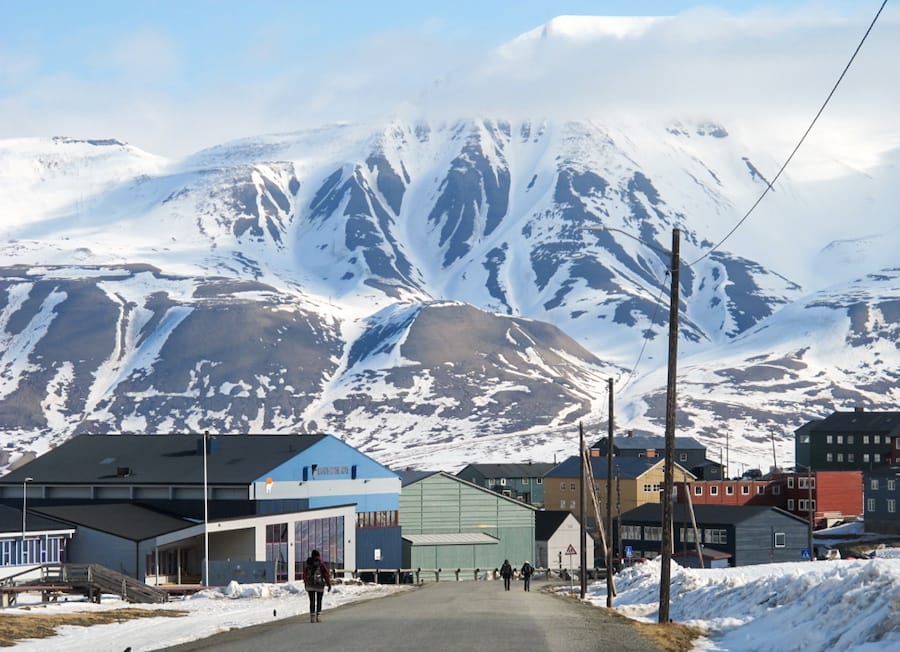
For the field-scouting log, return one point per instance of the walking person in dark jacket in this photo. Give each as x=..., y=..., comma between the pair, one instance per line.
x=506, y=573
x=315, y=579
x=527, y=572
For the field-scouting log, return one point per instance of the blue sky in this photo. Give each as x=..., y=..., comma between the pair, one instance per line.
x=171, y=75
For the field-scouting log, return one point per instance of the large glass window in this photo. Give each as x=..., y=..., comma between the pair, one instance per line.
x=630, y=531
x=323, y=534
x=277, y=549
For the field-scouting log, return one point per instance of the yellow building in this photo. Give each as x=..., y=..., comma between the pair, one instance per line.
x=636, y=481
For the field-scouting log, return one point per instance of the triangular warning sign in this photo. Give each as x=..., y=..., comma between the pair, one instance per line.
x=571, y=550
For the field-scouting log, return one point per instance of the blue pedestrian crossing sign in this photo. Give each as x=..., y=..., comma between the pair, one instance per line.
x=805, y=554
x=629, y=551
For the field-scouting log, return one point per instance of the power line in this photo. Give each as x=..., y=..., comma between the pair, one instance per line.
x=658, y=301
x=802, y=139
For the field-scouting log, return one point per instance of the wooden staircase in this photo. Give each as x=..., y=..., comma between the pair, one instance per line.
x=93, y=580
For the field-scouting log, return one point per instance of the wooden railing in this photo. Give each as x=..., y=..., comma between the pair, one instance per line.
x=416, y=575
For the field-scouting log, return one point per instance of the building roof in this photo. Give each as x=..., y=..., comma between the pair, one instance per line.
x=510, y=470
x=707, y=553
x=161, y=459
x=123, y=520
x=11, y=522
x=647, y=442
x=706, y=514
x=493, y=494
x=628, y=467
x=859, y=421
x=410, y=476
x=449, y=539
x=547, y=522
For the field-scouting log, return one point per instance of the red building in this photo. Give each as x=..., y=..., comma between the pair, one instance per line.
x=829, y=495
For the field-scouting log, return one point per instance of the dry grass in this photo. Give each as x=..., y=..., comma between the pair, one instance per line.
x=18, y=627
x=671, y=637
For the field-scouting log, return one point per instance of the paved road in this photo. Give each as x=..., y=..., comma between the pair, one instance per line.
x=445, y=616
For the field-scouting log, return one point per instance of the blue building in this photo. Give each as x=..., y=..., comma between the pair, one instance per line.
x=249, y=479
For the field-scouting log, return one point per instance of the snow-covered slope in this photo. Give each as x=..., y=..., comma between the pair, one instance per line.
x=442, y=291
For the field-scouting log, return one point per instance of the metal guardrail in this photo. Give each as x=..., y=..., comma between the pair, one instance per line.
x=414, y=575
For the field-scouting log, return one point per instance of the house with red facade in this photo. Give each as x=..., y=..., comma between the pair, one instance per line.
x=821, y=496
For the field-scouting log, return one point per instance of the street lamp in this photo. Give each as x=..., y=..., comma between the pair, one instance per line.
x=205, y=513
x=24, y=508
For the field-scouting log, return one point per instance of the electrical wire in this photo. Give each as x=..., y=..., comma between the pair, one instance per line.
x=802, y=139
x=630, y=375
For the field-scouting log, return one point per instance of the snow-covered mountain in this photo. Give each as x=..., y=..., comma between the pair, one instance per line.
x=437, y=292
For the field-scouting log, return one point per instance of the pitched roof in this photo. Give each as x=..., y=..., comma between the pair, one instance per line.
x=11, y=521
x=450, y=476
x=648, y=442
x=859, y=421
x=511, y=470
x=123, y=520
x=721, y=514
x=547, y=522
x=628, y=467
x=161, y=459
x=410, y=476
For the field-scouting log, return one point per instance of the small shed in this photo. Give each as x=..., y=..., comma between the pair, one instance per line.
x=711, y=558
x=555, y=532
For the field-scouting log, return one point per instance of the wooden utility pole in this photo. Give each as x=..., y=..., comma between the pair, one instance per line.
x=583, y=556
x=610, y=588
x=665, y=572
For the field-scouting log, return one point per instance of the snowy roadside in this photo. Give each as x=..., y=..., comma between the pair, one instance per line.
x=209, y=612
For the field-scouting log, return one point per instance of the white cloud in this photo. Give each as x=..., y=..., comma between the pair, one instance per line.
x=768, y=71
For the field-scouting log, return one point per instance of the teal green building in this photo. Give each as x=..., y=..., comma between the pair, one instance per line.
x=449, y=523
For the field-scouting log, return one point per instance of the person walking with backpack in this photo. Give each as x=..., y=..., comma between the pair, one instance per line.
x=527, y=572
x=506, y=573
x=315, y=579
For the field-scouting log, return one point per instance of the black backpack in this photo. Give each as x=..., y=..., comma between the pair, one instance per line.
x=315, y=573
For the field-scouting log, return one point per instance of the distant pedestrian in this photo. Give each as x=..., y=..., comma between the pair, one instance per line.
x=527, y=572
x=315, y=579
x=506, y=573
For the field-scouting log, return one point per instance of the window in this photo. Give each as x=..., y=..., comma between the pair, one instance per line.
x=876, y=458
x=779, y=540
x=840, y=439
x=840, y=457
x=761, y=490
x=851, y=457
x=648, y=488
x=870, y=504
x=571, y=504
x=892, y=505
x=897, y=443
x=865, y=457
x=572, y=486
x=806, y=505
x=652, y=533
x=688, y=535
x=892, y=485
x=804, y=439
x=502, y=482
x=829, y=439
x=682, y=457
x=874, y=484
x=562, y=504
x=562, y=486
x=524, y=480
x=729, y=490
x=791, y=482
x=829, y=457
x=698, y=490
x=865, y=439
x=790, y=504
x=776, y=490
x=540, y=481
x=876, y=439
x=850, y=439
x=745, y=490
x=715, y=536
x=713, y=490
x=630, y=531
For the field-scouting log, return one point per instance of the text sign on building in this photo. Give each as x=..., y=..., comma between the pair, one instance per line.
x=571, y=550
